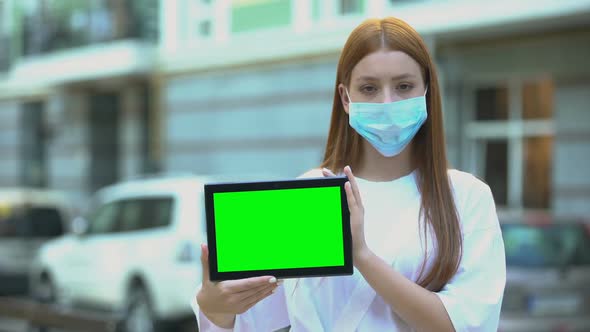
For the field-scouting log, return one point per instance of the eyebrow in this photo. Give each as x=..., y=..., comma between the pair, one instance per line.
x=394, y=78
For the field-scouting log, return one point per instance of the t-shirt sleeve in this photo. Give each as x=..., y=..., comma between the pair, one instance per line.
x=473, y=297
x=270, y=314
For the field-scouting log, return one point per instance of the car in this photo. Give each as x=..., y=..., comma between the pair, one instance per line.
x=28, y=218
x=548, y=269
x=136, y=253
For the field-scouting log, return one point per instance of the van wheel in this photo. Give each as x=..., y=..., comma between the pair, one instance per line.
x=139, y=313
x=45, y=293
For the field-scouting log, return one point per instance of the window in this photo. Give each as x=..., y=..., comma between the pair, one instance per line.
x=104, y=220
x=316, y=9
x=157, y=212
x=7, y=220
x=205, y=28
x=511, y=141
x=492, y=103
x=351, y=6
x=131, y=215
x=262, y=14
x=44, y=222
x=197, y=20
x=145, y=213
x=31, y=222
x=398, y=2
x=55, y=25
x=5, y=39
x=33, y=145
x=496, y=169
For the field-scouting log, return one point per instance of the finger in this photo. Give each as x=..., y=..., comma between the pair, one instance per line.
x=327, y=173
x=205, y=262
x=241, y=296
x=251, y=301
x=240, y=285
x=350, y=196
x=355, y=187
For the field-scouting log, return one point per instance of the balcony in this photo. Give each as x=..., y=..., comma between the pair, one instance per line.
x=60, y=25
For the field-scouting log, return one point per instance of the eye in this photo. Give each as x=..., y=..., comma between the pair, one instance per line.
x=368, y=89
x=405, y=86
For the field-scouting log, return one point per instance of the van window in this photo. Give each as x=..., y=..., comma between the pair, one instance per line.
x=546, y=246
x=34, y=222
x=44, y=222
x=104, y=219
x=7, y=222
x=160, y=214
x=131, y=215
x=145, y=213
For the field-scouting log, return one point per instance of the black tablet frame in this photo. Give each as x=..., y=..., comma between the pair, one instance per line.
x=337, y=181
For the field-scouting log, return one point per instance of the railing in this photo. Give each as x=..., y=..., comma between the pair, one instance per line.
x=56, y=25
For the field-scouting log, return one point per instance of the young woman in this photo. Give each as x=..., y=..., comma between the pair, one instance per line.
x=427, y=246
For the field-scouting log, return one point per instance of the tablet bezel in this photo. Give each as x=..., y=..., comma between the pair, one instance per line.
x=337, y=181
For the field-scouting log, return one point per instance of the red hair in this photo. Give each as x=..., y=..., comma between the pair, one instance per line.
x=344, y=146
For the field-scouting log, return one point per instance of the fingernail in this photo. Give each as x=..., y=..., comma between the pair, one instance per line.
x=272, y=280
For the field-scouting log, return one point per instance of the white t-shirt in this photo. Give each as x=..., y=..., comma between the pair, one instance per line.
x=472, y=298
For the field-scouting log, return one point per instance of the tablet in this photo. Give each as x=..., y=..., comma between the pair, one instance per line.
x=287, y=229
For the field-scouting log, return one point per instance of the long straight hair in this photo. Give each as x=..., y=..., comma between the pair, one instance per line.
x=343, y=147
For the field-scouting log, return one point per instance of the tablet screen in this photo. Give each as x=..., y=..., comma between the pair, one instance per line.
x=288, y=228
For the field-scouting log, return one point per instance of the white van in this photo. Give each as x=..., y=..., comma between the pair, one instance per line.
x=136, y=253
x=28, y=218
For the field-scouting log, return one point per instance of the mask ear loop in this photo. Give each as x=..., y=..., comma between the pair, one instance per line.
x=347, y=95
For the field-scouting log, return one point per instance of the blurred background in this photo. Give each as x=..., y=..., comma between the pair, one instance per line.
x=99, y=92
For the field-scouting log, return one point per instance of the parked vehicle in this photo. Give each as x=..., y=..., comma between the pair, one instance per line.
x=137, y=253
x=28, y=218
x=548, y=274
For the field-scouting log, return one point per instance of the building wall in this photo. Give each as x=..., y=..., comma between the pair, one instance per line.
x=68, y=150
x=133, y=131
x=571, y=180
x=68, y=154
x=560, y=56
x=263, y=119
x=9, y=143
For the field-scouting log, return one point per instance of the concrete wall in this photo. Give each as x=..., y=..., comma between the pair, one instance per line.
x=132, y=140
x=561, y=56
x=267, y=120
x=68, y=154
x=9, y=143
x=68, y=150
x=571, y=163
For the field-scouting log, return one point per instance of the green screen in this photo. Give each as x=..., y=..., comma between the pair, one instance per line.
x=278, y=229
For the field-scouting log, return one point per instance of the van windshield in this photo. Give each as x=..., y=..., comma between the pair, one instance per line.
x=43, y=222
x=546, y=246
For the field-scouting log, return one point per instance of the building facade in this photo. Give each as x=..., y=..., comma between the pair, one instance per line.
x=246, y=87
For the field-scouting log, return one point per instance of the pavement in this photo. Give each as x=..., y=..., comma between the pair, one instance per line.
x=11, y=325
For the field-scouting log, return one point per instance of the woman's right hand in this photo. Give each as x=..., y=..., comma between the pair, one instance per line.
x=221, y=301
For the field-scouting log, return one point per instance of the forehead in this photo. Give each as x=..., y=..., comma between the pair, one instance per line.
x=386, y=63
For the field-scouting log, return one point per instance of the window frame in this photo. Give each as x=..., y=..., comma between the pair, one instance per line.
x=515, y=129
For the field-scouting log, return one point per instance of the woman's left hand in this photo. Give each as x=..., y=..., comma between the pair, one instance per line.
x=357, y=213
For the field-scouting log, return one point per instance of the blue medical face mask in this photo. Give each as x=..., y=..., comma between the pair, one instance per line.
x=389, y=127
